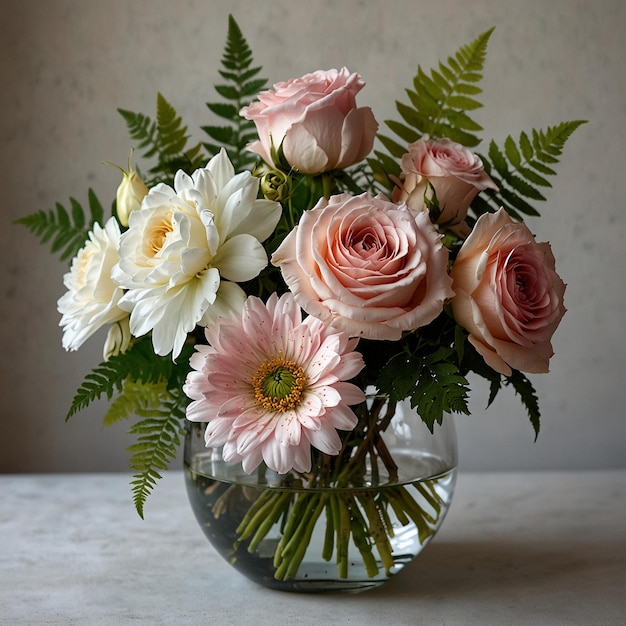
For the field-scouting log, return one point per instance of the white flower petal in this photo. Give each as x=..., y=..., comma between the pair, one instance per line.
x=241, y=258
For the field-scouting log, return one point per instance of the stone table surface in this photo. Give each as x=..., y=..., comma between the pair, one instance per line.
x=516, y=548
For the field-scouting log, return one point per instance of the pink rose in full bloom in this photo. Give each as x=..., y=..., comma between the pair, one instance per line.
x=366, y=266
x=455, y=173
x=508, y=294
x=316, y=121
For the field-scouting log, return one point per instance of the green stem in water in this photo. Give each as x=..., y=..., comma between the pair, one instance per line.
x=293, y=553
x=329, y=533
x=342, y=523
x=280, y=505
x=377, y=530
x=362, y=539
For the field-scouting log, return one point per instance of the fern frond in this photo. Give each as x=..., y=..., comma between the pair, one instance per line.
x=520, y=169
x=143, y=130
x=433, y=383
x=66, y=230
x=158, y=439
x=240, y=89
x=138, y=364
x=524, y=388
x=439, y=102
x=164, y=139
x=137, y=400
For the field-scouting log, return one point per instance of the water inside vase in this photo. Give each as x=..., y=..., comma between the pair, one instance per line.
x=220, y=505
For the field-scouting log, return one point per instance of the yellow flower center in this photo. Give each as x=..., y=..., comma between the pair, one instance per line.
x=278, y=384
x=157, y=233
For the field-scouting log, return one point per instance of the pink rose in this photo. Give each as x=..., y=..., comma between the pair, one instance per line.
x=366, y=266
x=455, y=173
x=508, y=295
x=316, y=121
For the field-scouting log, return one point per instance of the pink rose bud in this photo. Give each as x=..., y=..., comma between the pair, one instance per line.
x=455, y=173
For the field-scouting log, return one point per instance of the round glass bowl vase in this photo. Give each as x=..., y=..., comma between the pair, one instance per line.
x=304, y=533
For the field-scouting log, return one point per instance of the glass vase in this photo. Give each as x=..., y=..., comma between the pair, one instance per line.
x=326, y=531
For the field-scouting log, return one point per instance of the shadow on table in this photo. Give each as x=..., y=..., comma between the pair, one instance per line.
x=447, y=569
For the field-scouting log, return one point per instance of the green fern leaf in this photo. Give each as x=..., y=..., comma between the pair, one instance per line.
x=520, y=170
x=223, y=109
x=66, y=231
x=172, y=133
x=239, y=91
x=409, y=135
x=474, y=362
x=454, y=94
x=433, y=383
x=524, y=388
x=158, y=439
x=142, y=129
x=165, y=140
x=138, y=364
x=137, y=399
x=439, y=102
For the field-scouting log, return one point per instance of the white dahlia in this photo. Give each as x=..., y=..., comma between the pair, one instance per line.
x=188, y=246
x=92, y=297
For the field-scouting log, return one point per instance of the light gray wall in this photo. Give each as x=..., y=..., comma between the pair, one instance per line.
x=66, y=66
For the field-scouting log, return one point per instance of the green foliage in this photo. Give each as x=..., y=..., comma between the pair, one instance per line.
x=158, y=439
x=520, y=169
x=438, y=106
x=66, y=230
x=433, y=383
x=472, y=361
x=138, y=364
x=241, y=86
x=149, y=387
x=164, y=139
x=137, y=400
x=524, y=388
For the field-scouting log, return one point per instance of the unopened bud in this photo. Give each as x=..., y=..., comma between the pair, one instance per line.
x=276, y=186
x=118, y=339
x=130, y=193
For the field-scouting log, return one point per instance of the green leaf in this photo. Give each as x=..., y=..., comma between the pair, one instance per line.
x=223, y=109
x=139, y=364
x=404, y=132
x=239, y=91
x=137, y=399
x=520, y=168
x=66, y=231
x=158, y=439
x=524, y=388
x=439, y=102
x=432, y=382
x=165, y=140
x=221, y=134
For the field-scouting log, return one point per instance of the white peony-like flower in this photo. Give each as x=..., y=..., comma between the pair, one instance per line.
x=186, y=249
x=92, y=297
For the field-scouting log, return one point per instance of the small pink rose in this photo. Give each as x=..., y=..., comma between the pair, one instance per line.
x=508, y=294
x=455, y=173
x=316, y=121
x=366, y=266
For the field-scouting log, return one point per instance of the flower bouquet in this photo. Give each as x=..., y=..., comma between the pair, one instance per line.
x=278, y=290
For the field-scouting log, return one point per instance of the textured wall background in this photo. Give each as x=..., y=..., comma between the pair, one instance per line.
x=66, y=65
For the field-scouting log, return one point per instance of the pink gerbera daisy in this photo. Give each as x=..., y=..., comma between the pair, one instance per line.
x=271, y=385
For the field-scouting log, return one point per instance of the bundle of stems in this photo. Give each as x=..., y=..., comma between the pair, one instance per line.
x=345, y=492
